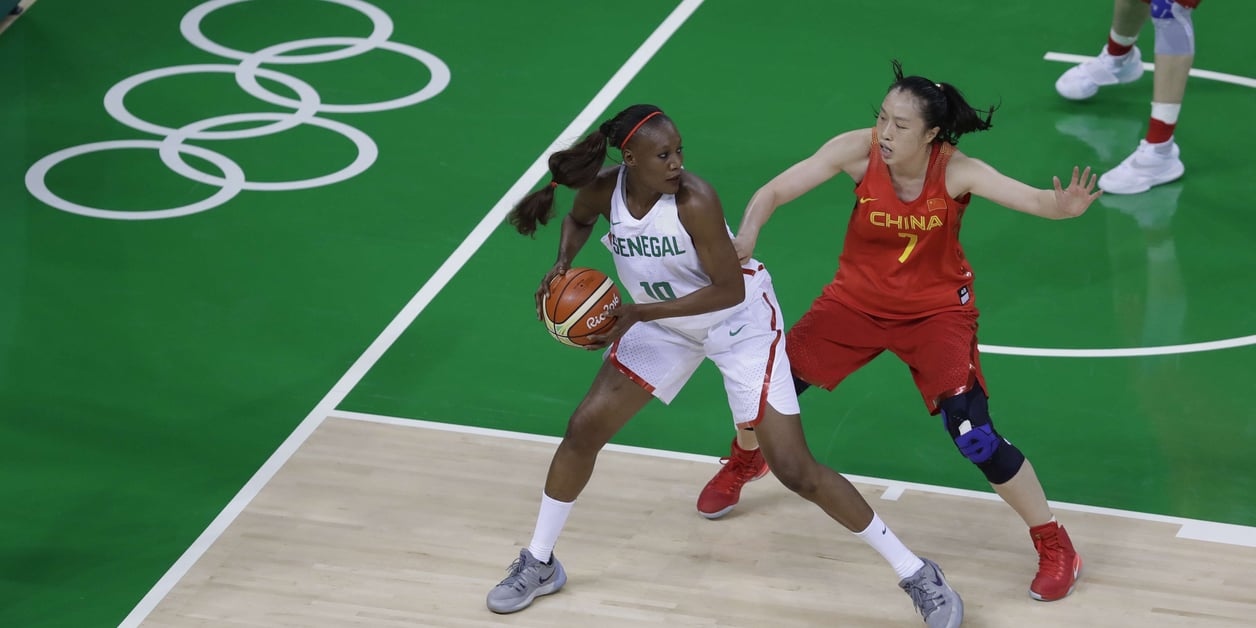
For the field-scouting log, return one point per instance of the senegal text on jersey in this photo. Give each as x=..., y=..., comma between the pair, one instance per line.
x=646, y=246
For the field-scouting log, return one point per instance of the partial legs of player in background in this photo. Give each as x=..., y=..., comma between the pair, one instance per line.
x=1157, y=159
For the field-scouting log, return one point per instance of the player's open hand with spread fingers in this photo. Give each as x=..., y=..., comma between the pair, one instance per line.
x=1080, y=193
x=559, y=269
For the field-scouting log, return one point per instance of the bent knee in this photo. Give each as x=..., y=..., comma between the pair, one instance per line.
x=799, y=477
x=585, y=433
x=967, y=419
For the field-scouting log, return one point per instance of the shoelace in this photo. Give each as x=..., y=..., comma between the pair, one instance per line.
x=1050, y=554
x=740, y=470
x=514, y=575
x=925, y=603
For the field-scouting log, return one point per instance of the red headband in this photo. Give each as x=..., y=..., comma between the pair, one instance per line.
x=634, y=129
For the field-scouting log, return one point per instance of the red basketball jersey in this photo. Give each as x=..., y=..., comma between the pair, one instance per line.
x=903, y=259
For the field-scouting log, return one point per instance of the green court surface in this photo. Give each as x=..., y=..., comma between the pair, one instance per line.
x=148, y=367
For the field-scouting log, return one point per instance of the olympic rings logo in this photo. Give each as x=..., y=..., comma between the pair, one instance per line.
x=307, y=105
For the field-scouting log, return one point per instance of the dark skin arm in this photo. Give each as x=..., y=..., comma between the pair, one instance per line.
x=703, y=217
x=591, y=201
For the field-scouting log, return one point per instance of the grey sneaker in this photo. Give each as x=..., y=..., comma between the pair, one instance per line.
x=936, y=601
x=528, y=579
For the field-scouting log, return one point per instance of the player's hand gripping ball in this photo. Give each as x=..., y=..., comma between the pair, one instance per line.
x=577, y=304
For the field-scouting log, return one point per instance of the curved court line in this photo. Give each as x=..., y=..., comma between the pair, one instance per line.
x=456, y=260
x=1195, y=347
x=1195, y=529
x=1203, y=74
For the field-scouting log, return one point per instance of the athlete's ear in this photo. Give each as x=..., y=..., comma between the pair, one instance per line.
x=629, y=158
x=931, y=134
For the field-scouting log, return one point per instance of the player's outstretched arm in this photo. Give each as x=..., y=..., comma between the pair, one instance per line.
x=967, y=175
x=842, y=153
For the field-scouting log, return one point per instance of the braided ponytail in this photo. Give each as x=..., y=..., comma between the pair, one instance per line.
x=578, y=166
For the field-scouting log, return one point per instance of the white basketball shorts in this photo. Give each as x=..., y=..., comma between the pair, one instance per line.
x=748, y=347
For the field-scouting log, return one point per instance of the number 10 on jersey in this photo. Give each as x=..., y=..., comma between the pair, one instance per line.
x=659, y=290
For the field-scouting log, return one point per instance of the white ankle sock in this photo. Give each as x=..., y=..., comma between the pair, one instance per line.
x=549, y=524
x=1122, y=39
x=882, y=539
x=1166, y=112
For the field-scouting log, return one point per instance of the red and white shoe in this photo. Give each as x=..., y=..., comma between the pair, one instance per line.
x=724, y=490
x=1059, y=565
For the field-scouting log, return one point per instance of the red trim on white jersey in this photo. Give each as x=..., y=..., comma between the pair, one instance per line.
x=614, y=358
x=767, y=374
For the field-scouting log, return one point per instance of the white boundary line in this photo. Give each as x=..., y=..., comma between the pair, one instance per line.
x=1193, y=529
x=1204, y=74
x=1196, y=347
x=417, y=304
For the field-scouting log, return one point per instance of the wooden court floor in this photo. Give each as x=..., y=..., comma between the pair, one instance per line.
x=378, y=524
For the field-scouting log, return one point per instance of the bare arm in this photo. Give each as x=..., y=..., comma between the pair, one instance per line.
x=847, y=152
x=966, y=175
x=590, y=202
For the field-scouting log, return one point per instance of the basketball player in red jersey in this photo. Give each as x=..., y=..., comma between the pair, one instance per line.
x=904, y=285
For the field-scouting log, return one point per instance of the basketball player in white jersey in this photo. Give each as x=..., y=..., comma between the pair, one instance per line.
x=692, y=300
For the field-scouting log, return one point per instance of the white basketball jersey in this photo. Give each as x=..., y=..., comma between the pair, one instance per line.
x=656, y=261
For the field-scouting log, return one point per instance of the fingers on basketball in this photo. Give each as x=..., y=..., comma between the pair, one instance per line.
x=578, y=304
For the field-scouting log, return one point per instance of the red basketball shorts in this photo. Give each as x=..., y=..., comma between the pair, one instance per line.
x=833, y=340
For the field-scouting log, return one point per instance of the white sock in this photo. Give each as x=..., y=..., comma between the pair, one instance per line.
x=1166, y=112
x=1122, y=39
x=549, y=524
x=882, y=539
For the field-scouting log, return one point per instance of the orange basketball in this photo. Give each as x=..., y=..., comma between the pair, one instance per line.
x=577, y=305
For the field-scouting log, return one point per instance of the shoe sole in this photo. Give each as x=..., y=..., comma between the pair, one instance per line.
x=548, y=589
x=1177, y=174
x=721, y=513
x=1077, y=575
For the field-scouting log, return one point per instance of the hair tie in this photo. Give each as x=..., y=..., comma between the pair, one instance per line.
x=938, y=85
x=553, y=183
x=634, y=129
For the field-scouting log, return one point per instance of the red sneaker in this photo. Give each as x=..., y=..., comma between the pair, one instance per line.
x=724, y=490
x=1059, y=565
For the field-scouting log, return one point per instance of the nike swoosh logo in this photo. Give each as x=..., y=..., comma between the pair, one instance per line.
x=613, y=222
x=864, y=199
x=937, y=581
x=544, y=580
x=738, y=331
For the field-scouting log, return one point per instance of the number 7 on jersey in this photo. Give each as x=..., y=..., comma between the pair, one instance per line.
x=911, y=244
